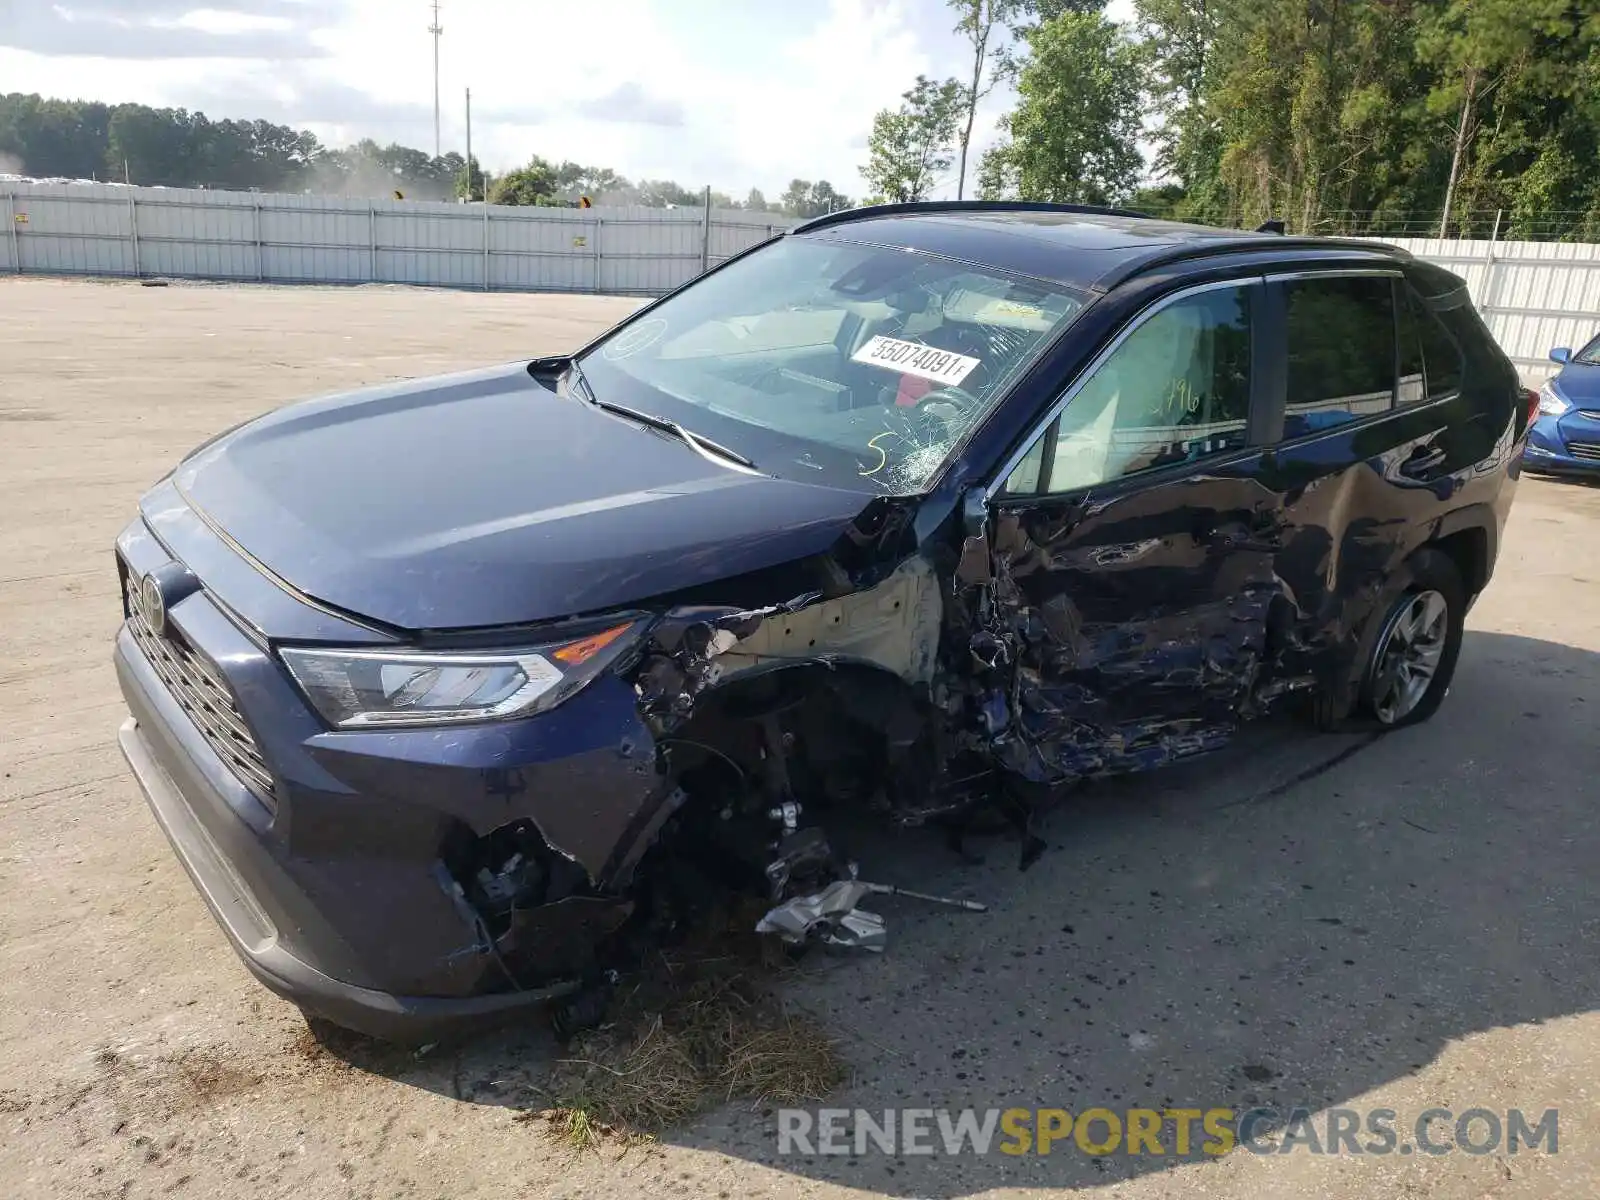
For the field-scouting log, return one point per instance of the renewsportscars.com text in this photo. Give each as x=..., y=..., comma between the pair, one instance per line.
x=1179, y=1132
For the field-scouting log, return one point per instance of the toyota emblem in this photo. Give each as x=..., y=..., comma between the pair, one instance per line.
x=154, y=604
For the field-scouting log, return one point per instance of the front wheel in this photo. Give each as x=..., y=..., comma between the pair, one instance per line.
x=1419, y=639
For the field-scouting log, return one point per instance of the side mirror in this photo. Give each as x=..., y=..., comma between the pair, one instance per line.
x=1561, y=354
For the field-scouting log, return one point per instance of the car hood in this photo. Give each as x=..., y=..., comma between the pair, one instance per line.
x=486, y=498
x=1580, y=384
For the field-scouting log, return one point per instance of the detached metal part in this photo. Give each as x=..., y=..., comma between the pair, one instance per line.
x=829, y=916
x=888, y=889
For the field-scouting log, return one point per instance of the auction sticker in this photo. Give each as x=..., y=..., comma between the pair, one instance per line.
x=913, y=358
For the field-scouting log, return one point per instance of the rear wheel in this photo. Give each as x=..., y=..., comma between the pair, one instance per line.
x=1413, y=658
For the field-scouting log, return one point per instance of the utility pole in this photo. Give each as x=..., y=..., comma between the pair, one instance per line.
x=469, y=146
x=436, y=29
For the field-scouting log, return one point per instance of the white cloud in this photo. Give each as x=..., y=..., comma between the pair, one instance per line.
x=219, y=21
x=735, y=93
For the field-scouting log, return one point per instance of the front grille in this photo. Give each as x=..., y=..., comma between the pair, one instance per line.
x=199, y=689
x=1585, y=450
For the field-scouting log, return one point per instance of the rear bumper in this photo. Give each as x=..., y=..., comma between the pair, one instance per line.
x=254, y=936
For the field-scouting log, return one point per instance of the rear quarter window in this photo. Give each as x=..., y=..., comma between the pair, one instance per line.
x=1434, y=282
x=1431, y=363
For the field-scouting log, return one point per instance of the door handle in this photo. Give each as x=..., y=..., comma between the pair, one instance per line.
x=1423, y=462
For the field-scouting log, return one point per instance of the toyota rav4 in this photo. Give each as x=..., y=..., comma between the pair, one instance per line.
x=446, y=692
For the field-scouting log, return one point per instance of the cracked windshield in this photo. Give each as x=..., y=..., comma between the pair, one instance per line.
x=834, y=361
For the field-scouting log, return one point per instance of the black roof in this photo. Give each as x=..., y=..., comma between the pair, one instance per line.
x=1078, y=245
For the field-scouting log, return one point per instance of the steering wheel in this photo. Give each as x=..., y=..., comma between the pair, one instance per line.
x=926, y=424
x=964, y=400
x=950, y=408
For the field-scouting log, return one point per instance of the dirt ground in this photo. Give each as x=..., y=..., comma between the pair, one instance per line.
x=1404, y=922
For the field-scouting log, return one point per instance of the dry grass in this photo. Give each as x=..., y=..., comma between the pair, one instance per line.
x=706, y=1028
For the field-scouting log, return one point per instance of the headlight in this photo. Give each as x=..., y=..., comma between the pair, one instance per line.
x=361, y=688
x=1550, y=404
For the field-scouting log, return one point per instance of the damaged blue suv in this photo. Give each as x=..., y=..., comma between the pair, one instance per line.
x=450, y=693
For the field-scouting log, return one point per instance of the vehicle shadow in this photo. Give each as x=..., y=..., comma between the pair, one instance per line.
x=1294, y=921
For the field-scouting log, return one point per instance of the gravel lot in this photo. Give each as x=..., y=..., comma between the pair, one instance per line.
x=1403, y=922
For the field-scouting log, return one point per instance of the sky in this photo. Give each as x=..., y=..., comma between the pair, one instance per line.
x=731, y=93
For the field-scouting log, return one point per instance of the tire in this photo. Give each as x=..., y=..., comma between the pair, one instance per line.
x=1409, y=656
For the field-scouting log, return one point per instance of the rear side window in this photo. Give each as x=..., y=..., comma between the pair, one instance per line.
x=1430, y=359
x=1341, y=334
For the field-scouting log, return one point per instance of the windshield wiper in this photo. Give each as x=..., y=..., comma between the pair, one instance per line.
x=699, y=443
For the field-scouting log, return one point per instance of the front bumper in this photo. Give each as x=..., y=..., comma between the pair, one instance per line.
x=1564, y=445
x=335, y=888
x=255, y=938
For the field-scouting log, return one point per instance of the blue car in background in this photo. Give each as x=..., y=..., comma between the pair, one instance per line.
x=1565, y=439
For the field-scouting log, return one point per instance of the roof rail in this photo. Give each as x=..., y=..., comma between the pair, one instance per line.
x=1244, y=243
x=844, y=216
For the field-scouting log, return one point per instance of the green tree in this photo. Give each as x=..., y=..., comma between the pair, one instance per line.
x=1073, y=137
x=1302, y=109
x=177, y=148
x=825, y=198
x=1361, y=116
x=534, y=184
x=755, y=201
x=911, y=147
x=574, y=180
x=665, y=193
x=54, y=137
x=1179, y=36
x=982, y=23
x=150, y=146
x=803, y=198
x=1037, y=12
x=1478, y=46
x=795, y=198
x=470, y=182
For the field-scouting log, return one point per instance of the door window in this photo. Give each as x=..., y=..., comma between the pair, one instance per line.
x=1176, y=390
x=1341, y=334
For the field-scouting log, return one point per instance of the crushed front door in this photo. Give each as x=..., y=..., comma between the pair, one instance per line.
x=1130, y=552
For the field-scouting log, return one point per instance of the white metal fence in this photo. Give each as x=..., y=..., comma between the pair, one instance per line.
x=1534, y=296
x=104, y=229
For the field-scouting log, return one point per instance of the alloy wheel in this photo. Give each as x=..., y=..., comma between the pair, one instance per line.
x=1408, y=655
